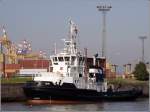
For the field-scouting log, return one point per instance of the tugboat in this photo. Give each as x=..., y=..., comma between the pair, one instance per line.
x=68, y=80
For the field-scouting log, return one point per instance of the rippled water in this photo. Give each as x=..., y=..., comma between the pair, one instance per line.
x=139, y=105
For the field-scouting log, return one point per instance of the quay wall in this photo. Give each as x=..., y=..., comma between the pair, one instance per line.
x=143, y=87
x=12, y=92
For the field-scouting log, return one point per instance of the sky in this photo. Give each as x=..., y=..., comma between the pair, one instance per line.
x=45, y=22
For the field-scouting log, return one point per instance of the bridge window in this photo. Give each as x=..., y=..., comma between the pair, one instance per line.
x=91, y=75
x=55, y=58
x=67, y=58
x=60, y=59
x=73, y=59
x=80, y=75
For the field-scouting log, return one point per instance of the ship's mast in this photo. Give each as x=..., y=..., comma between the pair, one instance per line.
x=55, y=48
x=72, y=36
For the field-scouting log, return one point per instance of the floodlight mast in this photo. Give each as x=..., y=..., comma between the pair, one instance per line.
x=104, y=9
x=142, y=39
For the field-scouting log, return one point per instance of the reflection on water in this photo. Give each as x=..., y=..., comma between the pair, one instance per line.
x=139, y=105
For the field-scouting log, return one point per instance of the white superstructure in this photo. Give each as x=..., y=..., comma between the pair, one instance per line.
x=68, y=66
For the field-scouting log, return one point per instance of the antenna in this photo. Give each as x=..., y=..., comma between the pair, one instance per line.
x=55, y=48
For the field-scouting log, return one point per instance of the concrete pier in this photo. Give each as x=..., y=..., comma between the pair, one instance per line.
x=12, y=92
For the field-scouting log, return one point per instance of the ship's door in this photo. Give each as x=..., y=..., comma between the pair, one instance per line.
x=99, y=76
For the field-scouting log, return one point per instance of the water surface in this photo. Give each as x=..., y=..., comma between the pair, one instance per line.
x=138, y=105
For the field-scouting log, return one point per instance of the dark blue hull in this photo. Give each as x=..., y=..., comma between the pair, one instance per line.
x=75, y=94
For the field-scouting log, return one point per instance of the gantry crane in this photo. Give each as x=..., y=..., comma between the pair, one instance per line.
x=14, y=52
x=8, y=48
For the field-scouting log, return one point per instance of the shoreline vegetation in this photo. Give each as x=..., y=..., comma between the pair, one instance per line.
x=14, y=80
x=127, y=81
x=115, y=81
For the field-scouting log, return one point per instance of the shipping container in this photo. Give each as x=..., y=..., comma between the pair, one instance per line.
x=99, y=62
x=30, y=72
x=34, y=64
x=12, y=66
x=11, y=69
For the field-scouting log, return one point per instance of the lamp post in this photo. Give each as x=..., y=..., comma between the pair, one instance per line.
x=142, y=39
x=104, y=9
